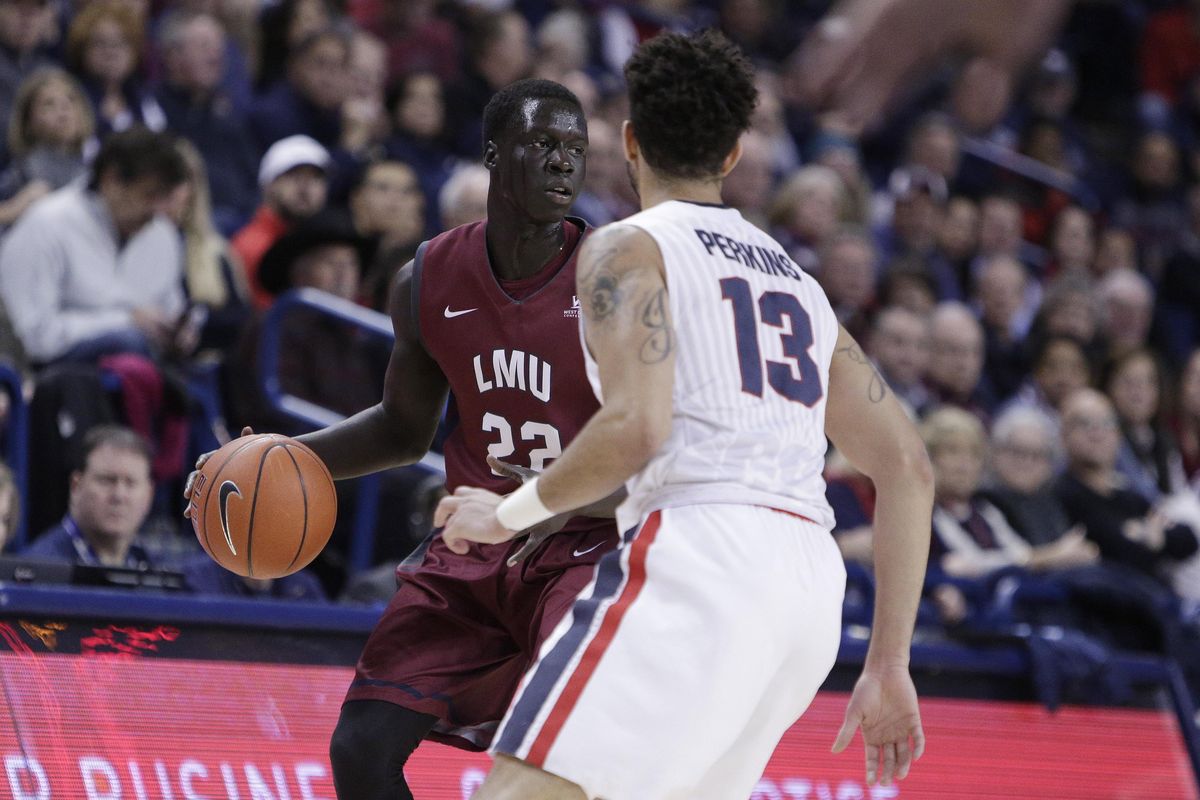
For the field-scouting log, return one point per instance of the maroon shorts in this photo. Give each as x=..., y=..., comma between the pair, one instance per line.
x=461, y=631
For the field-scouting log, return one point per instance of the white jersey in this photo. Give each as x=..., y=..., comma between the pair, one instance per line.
x=754, y=339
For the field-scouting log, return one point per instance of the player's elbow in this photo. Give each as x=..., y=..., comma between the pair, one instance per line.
x=642, y=433
x=913, y=464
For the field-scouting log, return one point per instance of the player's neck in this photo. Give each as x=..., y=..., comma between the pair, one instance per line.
x=520, y=250
x=654, y=190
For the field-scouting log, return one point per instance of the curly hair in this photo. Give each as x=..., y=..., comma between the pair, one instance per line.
x=690, y=98
x=507, y=103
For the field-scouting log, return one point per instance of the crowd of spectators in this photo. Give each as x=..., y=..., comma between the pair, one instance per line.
x=1021, y=262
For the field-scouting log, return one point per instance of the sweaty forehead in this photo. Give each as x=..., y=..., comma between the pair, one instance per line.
x=552, y=115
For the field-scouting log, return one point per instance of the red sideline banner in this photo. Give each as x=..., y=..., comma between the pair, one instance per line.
x=112, y=728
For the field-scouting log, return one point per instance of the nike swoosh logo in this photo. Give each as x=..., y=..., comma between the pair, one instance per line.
x=452, y=314
x=227, y=488
x=578, y=553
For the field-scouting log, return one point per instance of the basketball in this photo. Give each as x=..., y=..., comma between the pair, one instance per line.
x=263, y=506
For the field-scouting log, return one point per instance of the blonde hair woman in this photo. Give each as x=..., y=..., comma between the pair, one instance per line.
x=214, y=279
x=49, y=140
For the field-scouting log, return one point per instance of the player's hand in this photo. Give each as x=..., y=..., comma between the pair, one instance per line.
x=191, y=478
x=538, y=533
x=884, y=705
x=864, y=53
x=469, y=515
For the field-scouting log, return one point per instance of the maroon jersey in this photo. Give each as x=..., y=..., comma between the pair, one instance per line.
x=518, y=389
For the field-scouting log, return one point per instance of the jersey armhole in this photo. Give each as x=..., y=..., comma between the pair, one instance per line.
x=415, y=294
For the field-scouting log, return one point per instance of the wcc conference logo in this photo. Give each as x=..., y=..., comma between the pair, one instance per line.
x=573, y=311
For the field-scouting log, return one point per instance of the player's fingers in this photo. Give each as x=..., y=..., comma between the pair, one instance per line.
x=872, y=764
x=846, y=734
x=903, y=758
x=445, y=509
x=187, y=487
x=918, y=737
x=247, y=431
x=506, y=469
x=889, y=763
x=527, y=548
x=457, y=545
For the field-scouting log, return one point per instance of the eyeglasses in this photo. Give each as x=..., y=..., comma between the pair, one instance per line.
x=1026, y=453
x=1092, y=423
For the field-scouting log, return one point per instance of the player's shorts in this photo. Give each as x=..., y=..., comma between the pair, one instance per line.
x=700, y=642
x=461, y=630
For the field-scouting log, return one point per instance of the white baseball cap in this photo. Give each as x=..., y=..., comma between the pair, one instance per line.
x=287, y=154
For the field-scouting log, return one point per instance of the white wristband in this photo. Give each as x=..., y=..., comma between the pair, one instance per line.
x=523, y=508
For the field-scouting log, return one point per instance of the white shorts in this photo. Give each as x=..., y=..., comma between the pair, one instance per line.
x=696, y=646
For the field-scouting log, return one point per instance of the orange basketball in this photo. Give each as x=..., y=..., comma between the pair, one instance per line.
x=263, y=506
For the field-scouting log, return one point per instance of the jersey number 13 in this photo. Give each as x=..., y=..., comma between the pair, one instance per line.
x=796, y=336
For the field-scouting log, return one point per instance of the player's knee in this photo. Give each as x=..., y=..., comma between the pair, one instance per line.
x=372, y=734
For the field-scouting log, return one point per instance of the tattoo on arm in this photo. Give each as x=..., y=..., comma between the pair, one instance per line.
x=661, y=340
x=604, y=292
x=877, y=388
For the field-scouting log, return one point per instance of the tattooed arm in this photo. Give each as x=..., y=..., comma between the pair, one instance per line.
x=866, y=423
x=627, y=321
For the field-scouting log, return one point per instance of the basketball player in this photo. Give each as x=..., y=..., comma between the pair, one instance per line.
x=722, y=369
x=486, y=310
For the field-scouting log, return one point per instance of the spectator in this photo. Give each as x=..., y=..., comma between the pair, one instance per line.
x=1119, y=520
x=387, y=208
x=1025, y=449
x=1187, y=420
x=464, y=197
x=956, y=360
x=971, y=537
x=1001, y=232
x=1072, y=243
x=294, y=182
x=217, y=291
x=365, y=123
x=899, y=345
x=769, y=119
x=562, y=42
x=1148, y=459
x=309, y=101
x=851, y=495
x=918, y=199
x=1152, y=208
x=848, y=277
x=321, y=360
x=198, y=108
x=1116, y=249
x=1059, y=369
x=749, y=185
x=908, y=287
x=1177, y=316
x=110, y=498
x=499, y=51
x=607, y=194
x=1126, y=310
x=95, y=269
x=1000, y=293
x=418, y=138
x=419, y=39
x=1169, y=59
x=49, y=133
x=934, y=144
x=282, y=27
x=804, y=213
x=958, y=240
x=1070, y=309
x=10, y=506
x=23, y=27
x=841, y=155
x=104, y=48
x=206, y=577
